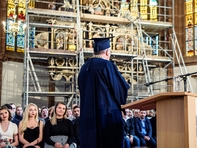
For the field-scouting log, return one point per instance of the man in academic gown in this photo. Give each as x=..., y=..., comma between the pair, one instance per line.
x=102, y=92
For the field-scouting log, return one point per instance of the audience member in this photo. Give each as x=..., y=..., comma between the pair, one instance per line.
x=134, y=140
x=144, y=130
x=126, y=142
x=127, y=114
x=69, y=114
x=8, y=130
x=136, y=113
x=13, y=109
x=76, y=111
x=50, y=113
x=148, y=115
x=19, y=113
x=59, y=131
x=31, y=128
x=13, y=120
x=154, y=125
x=130, y=114
x=44, y=113
x=76, y=121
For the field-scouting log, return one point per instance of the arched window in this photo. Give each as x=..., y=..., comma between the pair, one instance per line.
x=191, y=27
x=15, y=22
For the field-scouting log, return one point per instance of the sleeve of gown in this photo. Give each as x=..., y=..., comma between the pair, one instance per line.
x=47, y=133
x=71, y=132
x=117, y=83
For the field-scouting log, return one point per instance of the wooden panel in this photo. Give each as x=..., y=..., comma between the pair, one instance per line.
x=190, y=60
x=179, y=28
x=149, y=103
x=170, y=123
x=3, y=5
x=190, y=121
x=1, y=67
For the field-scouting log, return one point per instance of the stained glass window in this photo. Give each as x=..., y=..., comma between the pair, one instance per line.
x=191, y=27
x=20, y=11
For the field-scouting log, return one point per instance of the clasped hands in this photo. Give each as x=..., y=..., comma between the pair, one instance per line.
x=147, y=138
x=59, y=145
x=2, y=144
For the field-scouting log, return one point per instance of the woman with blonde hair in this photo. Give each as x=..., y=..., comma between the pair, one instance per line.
x=8, y=130
x=31, y=128
x=59, y=131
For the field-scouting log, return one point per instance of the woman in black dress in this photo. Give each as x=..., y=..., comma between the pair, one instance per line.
x=59, y=131
x=30, y=128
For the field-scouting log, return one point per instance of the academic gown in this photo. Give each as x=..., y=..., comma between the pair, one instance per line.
x=102, y=91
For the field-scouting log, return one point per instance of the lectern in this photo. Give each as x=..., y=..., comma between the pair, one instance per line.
x=176, y=118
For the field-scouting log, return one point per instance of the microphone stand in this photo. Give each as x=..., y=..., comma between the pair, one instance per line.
x=151, y=83
x=184, y=77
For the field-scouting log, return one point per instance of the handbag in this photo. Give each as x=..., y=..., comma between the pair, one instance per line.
x=61, y=139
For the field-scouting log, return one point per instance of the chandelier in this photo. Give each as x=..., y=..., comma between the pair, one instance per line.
x=15, y=27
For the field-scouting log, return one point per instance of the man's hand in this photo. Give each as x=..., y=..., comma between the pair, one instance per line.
x=131, y=139
x=147, y=138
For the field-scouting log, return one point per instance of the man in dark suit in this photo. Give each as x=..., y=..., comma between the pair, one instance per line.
x=144, y=130
x=134, y=140
x=77, y=131
x=76, y=122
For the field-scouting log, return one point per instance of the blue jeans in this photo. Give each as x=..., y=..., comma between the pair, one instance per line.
x=152, y=142
x=136, y=141
x=126, y=142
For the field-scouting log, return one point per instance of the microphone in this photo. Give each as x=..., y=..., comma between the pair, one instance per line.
x=146, y=84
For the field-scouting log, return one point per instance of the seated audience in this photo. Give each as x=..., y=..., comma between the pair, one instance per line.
x=144, y=130
x=8, y=130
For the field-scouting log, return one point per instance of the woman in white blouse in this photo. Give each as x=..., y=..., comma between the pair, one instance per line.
x=8, y=130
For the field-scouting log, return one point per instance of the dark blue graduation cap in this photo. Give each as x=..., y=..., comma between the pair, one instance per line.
x=101, y=43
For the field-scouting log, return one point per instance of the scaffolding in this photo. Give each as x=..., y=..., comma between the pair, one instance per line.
x=51, y=58
x=58, y=43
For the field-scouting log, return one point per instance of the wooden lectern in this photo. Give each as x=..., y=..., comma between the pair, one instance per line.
x=176, y=118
